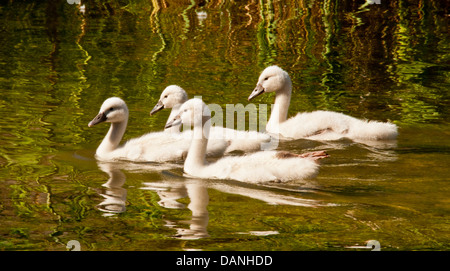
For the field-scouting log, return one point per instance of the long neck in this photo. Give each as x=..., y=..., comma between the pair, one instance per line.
x=173, y=113
x=195, y=159
x=112, y=138
x=280, y=108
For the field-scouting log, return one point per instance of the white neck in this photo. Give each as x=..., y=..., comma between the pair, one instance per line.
x=112, y=138
x=173, y=113
x=280, y=108
x=195, y=159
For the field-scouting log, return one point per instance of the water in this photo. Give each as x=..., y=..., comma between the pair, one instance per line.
x=381, y=62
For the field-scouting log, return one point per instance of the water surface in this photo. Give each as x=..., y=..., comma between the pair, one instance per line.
x=59, y=62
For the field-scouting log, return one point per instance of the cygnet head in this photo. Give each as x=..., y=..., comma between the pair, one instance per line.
x=272, y=79
x=171, y=96
x=112, y=110
x=193, y=112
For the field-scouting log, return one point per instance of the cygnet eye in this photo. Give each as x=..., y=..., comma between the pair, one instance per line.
x=265, y=79
x=165, y=96
x=111, y=109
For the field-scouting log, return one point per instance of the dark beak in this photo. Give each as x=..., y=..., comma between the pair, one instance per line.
x=174, y=122
x=159, y=106
x=256, y=92
x=101, y=117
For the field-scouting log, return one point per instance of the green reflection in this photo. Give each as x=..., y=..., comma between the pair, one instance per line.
x=267, y=34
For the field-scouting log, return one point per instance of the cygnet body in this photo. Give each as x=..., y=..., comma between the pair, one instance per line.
x=174, y=96
x=259, y=167
x=151, y=147
x=316, y=125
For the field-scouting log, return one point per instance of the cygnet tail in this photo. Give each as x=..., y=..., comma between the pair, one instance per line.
x=373, y=130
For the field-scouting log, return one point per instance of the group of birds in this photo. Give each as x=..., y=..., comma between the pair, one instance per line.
x=256, y=166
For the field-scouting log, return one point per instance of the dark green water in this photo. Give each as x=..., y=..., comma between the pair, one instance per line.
x=383, y=62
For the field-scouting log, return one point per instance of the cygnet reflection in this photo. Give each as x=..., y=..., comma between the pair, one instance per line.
x=169, y=194
x=114, y=195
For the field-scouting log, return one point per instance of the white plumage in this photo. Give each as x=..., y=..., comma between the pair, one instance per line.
x=317, y=125
x=174, y=96
x=254, y=168
x=151, y=147
x=258, y=167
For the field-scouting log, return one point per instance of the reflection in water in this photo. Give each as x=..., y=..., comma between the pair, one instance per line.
x=385, y=61
x=266, y=34
x=174, y=189
x=156, y=28
x=260, y=233
x=265, y=195
x=201, y=16
x=115, y=195
x=198, y=194
x=381, y=151
x=269, y=196
x=170, y=192
x=187, y=22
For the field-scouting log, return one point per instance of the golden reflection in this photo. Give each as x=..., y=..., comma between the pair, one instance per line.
x=156, y=27
x=154, y=18
x=248, y=8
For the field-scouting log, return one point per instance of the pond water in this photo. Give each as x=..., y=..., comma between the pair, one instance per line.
x=60, y=61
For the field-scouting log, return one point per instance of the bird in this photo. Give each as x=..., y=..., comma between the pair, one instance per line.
x=150, y=147
x=174, y=96
x=316, y=125
x=256, y=167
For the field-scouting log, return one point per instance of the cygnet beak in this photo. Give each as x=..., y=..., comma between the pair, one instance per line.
x=101, y=117
x=256, y=92
x=174, y=122
x=159, y=106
